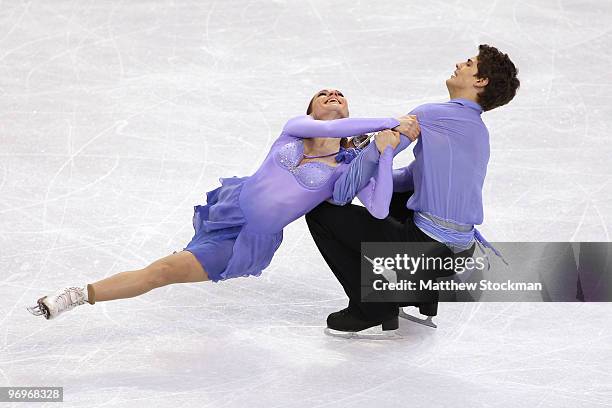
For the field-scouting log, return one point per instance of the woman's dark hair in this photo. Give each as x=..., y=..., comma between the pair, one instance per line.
x=344, y=142
x=501, y=73
x=309, y=109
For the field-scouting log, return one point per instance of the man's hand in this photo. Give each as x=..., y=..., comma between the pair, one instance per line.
x=387, y=138
x=409, y=126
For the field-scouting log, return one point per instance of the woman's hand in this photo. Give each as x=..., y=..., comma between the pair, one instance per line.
x=409, y=126
x=387, y=138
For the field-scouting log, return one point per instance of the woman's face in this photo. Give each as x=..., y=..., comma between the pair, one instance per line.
x=328, y=104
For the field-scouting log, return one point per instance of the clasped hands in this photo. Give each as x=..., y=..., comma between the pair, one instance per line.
x=409, y=126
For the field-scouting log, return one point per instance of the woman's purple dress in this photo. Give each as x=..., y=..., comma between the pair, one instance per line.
x=241, y=225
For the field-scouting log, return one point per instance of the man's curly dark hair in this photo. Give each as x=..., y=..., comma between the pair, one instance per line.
x=501, y=73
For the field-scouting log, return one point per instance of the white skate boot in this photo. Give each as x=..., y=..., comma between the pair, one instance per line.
x=53, y=305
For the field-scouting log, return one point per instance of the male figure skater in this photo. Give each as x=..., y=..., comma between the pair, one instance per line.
x=438, y=197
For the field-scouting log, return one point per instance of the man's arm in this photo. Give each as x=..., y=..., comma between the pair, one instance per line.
x=360, y=171
x=402, y=179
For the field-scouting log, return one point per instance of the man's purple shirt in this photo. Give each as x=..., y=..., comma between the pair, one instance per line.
x=447, y=175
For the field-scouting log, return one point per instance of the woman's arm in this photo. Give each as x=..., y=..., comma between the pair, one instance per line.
x=360, y=171
x=376, y=195
x=307, y=127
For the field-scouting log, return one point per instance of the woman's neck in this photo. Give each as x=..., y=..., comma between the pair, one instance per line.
x=321, y=145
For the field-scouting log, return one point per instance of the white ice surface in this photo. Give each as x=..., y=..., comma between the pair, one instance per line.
x=117, y=117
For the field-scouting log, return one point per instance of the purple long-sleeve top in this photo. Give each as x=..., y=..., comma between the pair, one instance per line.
x=450, y=165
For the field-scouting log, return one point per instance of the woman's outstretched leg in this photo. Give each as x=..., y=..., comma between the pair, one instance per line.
x=180, y=267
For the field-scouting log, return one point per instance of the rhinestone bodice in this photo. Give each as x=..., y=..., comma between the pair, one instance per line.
x=311, y=175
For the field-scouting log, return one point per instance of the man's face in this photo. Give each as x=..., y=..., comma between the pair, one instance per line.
x=464, y=76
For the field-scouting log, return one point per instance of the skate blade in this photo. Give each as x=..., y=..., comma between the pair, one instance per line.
x=373, y=333
x=35, y=310
x=40, y=309
x=425, y=322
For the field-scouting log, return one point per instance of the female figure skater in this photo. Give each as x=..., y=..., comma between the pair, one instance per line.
x=241, y=225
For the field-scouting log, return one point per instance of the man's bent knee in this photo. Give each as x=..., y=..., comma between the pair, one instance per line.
x=324, y=220
x=317, y=215
x=323, y=210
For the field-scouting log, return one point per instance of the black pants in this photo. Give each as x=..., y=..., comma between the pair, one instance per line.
x=338, y=232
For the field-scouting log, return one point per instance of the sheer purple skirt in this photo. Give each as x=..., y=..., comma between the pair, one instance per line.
x=222, y=244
